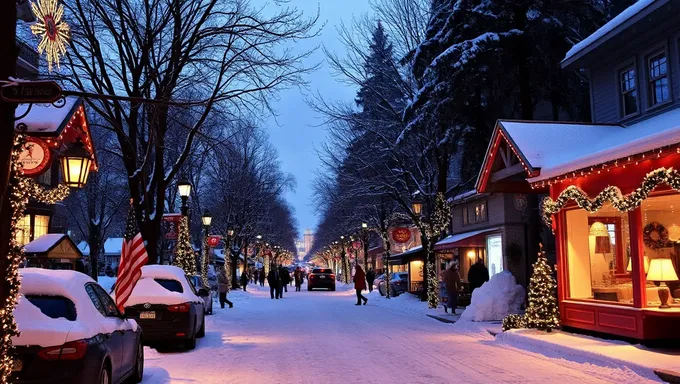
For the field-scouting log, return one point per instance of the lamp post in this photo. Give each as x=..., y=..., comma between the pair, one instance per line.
x=364, y=241
x=184, y=189
x=417, y=205
x=343, y=257
x=207, y=220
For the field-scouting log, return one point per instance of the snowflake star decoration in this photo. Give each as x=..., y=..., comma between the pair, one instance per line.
x=53, y=31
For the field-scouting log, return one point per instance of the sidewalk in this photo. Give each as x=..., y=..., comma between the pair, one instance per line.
x=646, y=362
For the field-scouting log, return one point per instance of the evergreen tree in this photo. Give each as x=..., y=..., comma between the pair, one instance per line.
x=543, y=310
x=184, y=251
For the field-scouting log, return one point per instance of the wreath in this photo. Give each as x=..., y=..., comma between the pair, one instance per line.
x=655, y=235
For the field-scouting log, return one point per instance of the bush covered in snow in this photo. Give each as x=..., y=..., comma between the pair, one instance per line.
x=496, y=299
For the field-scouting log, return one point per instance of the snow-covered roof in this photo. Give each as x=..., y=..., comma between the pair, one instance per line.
x=45, y=119
x=113, y=246
x=558, y=148
x=452, y=239
x=635, y=12
x=147, y=290
x=44, y=243
x=464, y=195
x=38, y=329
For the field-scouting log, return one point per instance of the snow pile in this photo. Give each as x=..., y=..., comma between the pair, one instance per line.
x=496, y=299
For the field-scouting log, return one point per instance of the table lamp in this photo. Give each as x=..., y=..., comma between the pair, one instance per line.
x=630, y=265
x=662, y=270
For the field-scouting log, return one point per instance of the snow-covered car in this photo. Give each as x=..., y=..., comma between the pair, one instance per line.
x=208, y=300
x=378, y=279
x=321, y=278
x=167, y=306
x=72, y=332
x=398, y=284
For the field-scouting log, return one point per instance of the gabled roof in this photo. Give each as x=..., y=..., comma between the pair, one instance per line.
x=113, y=246
x=553, y=149
x=630, y=16
x=49, y=242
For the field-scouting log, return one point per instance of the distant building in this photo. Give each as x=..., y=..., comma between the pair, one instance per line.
x=309, y=241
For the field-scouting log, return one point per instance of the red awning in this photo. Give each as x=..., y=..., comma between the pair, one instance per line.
x=465, y=239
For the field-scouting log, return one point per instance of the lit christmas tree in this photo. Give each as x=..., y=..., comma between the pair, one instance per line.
x=543, y=311
x=184, y=251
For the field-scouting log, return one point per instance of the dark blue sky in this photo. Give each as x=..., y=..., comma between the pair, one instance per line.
x=294, y=132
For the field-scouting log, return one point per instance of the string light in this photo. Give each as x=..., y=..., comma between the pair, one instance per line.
x=184, y=251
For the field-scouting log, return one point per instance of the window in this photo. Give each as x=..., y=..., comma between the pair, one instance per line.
x=170, y=285
x=658, y=79
x=40, y=225
x=475, y=213
x=629, y=103
x=596, y=245
x=89, y=288
x=24, y=230
x=107, y=302
x=54, y=306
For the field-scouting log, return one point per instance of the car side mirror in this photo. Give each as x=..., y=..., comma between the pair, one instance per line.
x=203, y=292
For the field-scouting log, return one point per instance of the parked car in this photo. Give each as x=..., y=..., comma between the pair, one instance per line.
x=208, y=300
x=72, y=332
x=398, y=284
x=321, y=278
x=376, y=282
x=167, y=306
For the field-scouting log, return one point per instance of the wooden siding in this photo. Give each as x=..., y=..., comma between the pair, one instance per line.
x=634, y=45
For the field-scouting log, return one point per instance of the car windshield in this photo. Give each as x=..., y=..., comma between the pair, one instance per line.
x=319, y=270
x=402, y=276
x=54, y=306
x=170, y=285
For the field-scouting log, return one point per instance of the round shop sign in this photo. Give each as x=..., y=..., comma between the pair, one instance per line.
x=214, y=240
x=36, y=157
x=401, y=235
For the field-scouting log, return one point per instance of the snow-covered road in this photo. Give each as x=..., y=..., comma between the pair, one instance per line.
x=322, y=337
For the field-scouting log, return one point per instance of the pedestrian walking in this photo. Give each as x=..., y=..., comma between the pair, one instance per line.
x=370, y=278
x=452, y=282
x=255, y=276
x=262, y=277
x=274, y=280
x=285, y=278
x=223, y=288
x=360, y=284
x=298, y=279
x=477, y=275
x=244, y=279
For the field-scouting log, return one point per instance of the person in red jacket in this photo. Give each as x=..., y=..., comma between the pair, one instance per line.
x=360, y=284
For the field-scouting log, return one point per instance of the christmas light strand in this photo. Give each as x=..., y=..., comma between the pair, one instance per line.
x=184, y=251
x=611, y=194
x=45, y=195
x=205, y=263
x=11, y=282
x=52, y=30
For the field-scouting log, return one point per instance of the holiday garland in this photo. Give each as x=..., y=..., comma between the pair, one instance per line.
x=611, y=194
x=184, y=252
x=205, y=263
x=661, y=232
x=44, y=195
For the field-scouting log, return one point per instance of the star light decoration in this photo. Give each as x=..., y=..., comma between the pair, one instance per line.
x=52, y=30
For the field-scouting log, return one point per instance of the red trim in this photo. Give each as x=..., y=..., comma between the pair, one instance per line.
x=637, y=251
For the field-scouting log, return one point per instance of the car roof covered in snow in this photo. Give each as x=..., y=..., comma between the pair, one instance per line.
x=147, y=290
x=37, y=328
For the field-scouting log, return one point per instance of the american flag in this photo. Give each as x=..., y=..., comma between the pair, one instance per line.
x=132, y=257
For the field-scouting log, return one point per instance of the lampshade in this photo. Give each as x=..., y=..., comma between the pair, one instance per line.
x=206, y=218
x=674, y=232
x=184, y=188
x=630, y=265
x=598, y=229
x=75, y=165
x=661, y=270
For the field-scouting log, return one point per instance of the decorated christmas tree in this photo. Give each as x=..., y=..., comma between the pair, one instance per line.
x=543, y=310
x=184, y=251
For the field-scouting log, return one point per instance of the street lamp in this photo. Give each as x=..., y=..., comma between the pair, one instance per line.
x=184, y=189
x=417, y=205
x=364, y=240
x=75, y=165
x=207, y=220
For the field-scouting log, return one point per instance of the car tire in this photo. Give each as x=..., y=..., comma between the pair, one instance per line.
x=393, y=293
x=105, y=374
x=333, y=288
x=138, y=371
x=190, y=344
x=309, y=288
x=380, y=291
x=201, y=331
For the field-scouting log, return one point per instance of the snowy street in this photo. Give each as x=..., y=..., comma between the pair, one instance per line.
x=322, y=337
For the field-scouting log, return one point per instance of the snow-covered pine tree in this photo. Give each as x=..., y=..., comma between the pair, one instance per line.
x=543, y=310
x=184, y=251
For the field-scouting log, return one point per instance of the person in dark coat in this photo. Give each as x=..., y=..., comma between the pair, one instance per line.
x=285, y=278
x=478, y=275
x=298, y=279
x=256, y=278
x=244, y=279
x=274, y=281
x=452, y=282
x=360, y=284
x=262, y=277
x=370, y=278
x=223, y=288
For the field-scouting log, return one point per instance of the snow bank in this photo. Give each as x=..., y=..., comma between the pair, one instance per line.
x=496, y=299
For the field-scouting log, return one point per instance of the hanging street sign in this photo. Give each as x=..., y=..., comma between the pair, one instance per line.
x=36, y=157
x=30, y=92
